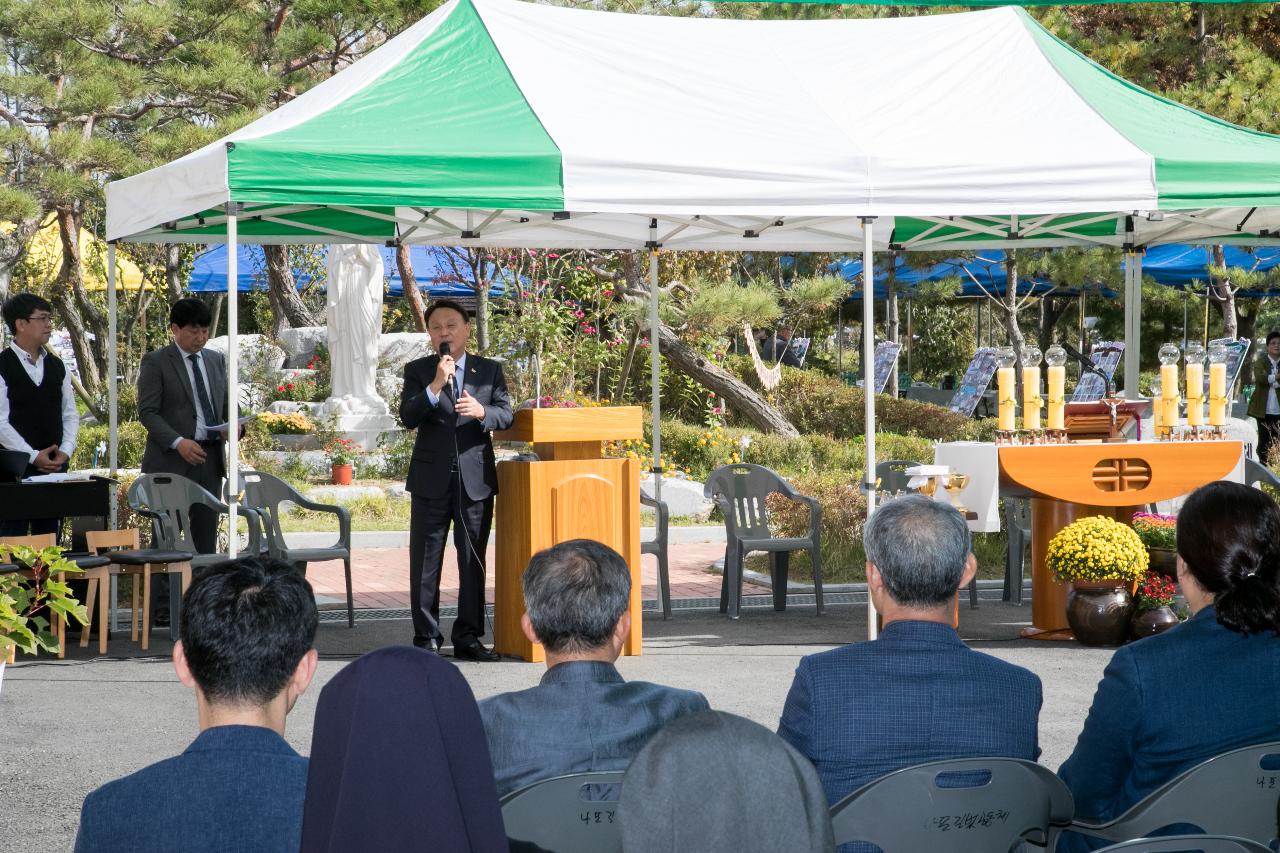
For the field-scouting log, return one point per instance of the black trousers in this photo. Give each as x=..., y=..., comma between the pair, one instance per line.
x=429, y=523
x=1268, y=431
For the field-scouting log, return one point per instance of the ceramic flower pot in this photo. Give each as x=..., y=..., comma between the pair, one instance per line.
x=342, y=474
x=1098, y=612
x=1148, y=623
x=1163, y=561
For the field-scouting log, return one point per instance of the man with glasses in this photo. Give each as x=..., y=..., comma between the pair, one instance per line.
x=38, y=413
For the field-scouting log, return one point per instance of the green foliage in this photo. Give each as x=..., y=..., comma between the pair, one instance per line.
x=27, y=603
x=809, y=301
x=844, y=511
x=131, y=436
x=719, y=308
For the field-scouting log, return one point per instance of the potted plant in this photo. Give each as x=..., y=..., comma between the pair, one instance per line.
x=1154, y=612
x=28, y=599
x=342, y=454
x=1160, y=534
x=290, y=430
x=1101, y=558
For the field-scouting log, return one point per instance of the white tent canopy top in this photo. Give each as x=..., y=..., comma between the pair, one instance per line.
x=504, y=123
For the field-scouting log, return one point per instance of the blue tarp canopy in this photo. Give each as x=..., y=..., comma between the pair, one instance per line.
x=432, y=268
x=987, y=268
x=1180, y=266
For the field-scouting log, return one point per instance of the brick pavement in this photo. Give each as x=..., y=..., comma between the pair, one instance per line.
x=380, y=576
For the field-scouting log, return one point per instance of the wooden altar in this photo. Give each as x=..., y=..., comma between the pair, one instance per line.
x=569, y=493
x=1071, y=481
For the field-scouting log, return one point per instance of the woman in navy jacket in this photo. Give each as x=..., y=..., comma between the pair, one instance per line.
x=1170, y=702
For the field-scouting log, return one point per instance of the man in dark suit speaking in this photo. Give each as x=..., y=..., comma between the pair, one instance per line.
x=454, y=399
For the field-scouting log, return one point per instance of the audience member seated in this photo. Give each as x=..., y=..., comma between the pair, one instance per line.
x=917, y=693
x=1169, y=702
x=582, y=716
x=717, y=783
x=245, y=648
x=399, y=761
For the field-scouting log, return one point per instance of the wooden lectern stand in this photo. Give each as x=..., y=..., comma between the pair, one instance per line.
x=570, y=493
x=1071, y=481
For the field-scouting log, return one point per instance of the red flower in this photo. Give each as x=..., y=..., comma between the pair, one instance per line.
x=290, y=386
x=280, y=388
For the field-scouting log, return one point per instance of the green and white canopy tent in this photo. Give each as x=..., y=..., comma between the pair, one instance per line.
x=504, y=123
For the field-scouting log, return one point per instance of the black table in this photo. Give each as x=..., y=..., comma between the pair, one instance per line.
x=69, y=499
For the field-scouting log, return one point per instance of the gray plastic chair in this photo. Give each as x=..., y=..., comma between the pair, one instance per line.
x=1230, y=794
x=566, y=814
x=1189, y=844
x=1017, y=525
x=892, y=475
x=167, y=500
x=957, y=806
x=1256, y=472
x=657, y=546
x=740, y=492
x=265, y=494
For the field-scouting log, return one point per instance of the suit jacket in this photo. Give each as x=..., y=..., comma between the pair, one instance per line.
x=167, y=406
x=439, y=427
x=1261, y=385
x=916, y=694
x=1167, y=703
x=582, y=716
x=235, y=788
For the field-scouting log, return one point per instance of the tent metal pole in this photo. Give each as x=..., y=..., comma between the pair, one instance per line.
x=113, y=417
x=1132, y=315
x=868, y=389
x=654, y=368
x=233, y=383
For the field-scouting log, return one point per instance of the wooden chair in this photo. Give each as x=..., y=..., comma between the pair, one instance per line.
x=122, y=546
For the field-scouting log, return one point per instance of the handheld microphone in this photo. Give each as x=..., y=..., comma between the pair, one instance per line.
x=449, y=390
x=444, y=349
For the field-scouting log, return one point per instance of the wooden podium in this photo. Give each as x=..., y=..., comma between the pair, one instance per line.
x=570, y=493
x=1071, y=481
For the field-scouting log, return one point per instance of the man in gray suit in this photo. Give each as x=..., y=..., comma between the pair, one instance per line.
x=182, y=391
x=582, y=716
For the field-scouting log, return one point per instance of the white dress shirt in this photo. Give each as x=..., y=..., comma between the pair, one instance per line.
x=70, y=416
x=202, y=431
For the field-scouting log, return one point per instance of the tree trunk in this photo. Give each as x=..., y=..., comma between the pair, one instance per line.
x=172, y=271
x=1222, y=294
x=13, y=246
x=1247, y=319
x=1010, y=305
x=1052, y=310
x=481, y=283
x=287, y=308
x=404, y=263
x=735, y=393
x=84, y=321
x=633, y=343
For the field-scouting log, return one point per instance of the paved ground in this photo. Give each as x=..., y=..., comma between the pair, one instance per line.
x=67, y=727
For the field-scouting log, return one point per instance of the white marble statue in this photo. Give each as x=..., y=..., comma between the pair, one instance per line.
x=355, y=324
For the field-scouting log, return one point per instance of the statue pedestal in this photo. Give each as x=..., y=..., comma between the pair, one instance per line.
x=360, y=419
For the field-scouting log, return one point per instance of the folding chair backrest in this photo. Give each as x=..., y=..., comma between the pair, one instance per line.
x=956, y=807
x=1256, y=472
x=745, y=488
x=35, y=540
x=98, y=540
x=171, y=497
x=1188, y=844
x=1230, y=794
x=577, y=813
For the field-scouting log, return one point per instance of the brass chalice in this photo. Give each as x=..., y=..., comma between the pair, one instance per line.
x=954, y=485
x=929, y=486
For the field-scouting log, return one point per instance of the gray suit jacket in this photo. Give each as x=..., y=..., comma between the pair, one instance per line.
x=582, y=716
x=167, y=406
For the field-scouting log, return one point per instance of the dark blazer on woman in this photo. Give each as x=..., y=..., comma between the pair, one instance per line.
x=1167, y=703
x=434, y=447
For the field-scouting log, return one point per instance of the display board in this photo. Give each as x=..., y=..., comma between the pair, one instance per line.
x=977, y=378
x=886, y=357
x=1105, y=357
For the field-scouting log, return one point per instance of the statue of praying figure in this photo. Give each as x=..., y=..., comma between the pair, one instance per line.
x=354, y=308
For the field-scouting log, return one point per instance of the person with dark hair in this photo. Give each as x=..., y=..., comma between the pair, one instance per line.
x=38, y=413
x=717, y=783
x=399, y=762
x=454, y=399
x=917, y=693
x=779, y=350
x=182, y=392
x=1202, y=688
x=245, y=648
x=1264, y=407
x=582, y=715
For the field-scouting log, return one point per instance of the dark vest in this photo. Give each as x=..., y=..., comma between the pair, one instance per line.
x=35, y=411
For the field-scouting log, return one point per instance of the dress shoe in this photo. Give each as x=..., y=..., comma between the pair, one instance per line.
x=431, y=645
x=475, y=650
